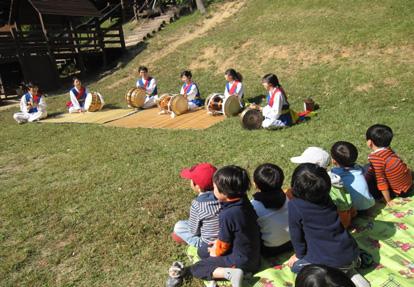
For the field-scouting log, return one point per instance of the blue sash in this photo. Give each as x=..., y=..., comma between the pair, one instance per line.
x=142, y=84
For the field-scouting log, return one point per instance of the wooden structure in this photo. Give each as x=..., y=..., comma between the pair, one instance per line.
x=47, y=36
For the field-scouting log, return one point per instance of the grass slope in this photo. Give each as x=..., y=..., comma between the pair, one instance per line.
x=86, y=205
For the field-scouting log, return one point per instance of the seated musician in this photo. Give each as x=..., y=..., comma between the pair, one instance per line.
x=77, y=97
x=149, y=84
x=234, y=86
x=32, y=106
x=277, y=112
x=190, y=91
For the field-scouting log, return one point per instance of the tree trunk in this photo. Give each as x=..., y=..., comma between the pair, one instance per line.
x=200, y=6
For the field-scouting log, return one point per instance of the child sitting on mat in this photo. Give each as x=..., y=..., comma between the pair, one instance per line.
x=341, y=198
x=237, y=248
x=270, y=204
x=149, y=84
x=317, y=235
x=32, y=106
x=77, y=97
x=344, y=155
x=202, y=226
x=387, y=175
x=190, y=91
x=234, y=86
x=277, y=112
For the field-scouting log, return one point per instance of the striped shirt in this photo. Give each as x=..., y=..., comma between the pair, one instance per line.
x=204, y=217
x=391, y=173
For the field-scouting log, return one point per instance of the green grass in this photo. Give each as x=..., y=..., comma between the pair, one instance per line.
x=86, y=205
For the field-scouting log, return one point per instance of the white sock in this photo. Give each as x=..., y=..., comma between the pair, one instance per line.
x=234, y=275
x=360, y=280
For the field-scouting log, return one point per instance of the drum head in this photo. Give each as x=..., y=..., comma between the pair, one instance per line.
x=251, y=119
x=231, y=106
x=210, y=98
x=164, y=101
x=179, y=105
x=135, y=97
x=93, y=102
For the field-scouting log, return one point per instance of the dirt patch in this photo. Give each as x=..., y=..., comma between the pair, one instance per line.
x=9, y=169
x=364, y=87
x=226, y=10
x=206, y=59
x=391, y=82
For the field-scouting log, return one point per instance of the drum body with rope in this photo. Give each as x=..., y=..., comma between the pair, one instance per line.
x=135, y=97
x=217, y=104
x=251, y=119
x=94, y=102
x=173, y=103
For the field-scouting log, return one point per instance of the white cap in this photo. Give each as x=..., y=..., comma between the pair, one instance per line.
x=314, y=155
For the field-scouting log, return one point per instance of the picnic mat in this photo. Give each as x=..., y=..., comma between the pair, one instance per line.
x=386, y=233
x=100, y=117
x=151, y=119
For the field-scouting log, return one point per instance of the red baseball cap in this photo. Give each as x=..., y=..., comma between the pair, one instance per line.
x=201, y=174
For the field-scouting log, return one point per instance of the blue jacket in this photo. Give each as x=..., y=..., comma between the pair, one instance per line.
x=318, y=236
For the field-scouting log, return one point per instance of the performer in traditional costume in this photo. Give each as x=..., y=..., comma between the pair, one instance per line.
x=190, y=91
x=277, y=112
x=149, y=84
x=234, y=86
x=32, y=106
x=77, y=97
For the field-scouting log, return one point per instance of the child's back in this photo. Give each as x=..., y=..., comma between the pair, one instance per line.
x=238, y=222
x=356, y=185
x=327, y=242
x=344, y=156
x=317, y=235
x=390, y=171
x=274, y=225
x=387, y=170
x=270, y=204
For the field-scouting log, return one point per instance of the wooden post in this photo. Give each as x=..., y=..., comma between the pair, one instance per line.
x=77, y=49
x=15, y=36
x=49, y=50
x=121, y=31
x=200, y=6
x=101, y=41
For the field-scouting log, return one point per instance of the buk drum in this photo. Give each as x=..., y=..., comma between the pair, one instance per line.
x=251, y=119
x=94, y=102
x=172, y=104
x=217, y=104
x=135, y=97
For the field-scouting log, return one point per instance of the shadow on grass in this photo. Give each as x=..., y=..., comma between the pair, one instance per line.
x=256, y=100
x=54, y=114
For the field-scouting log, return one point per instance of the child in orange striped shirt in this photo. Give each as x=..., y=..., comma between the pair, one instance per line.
x=388, y=176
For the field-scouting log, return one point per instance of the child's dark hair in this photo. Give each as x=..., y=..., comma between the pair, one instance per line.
x=322, y=276
x=268, y=177
x=235, y=75
x=187, y=73
x=232, y=181
x=74, y=79
x=143, y=69
x=271, y=79
x=380, y=135
x=269, y=180
x=31, y=85
x=344, y=153
x=312, y=183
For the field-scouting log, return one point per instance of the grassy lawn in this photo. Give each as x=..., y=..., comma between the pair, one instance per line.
x=87, y=205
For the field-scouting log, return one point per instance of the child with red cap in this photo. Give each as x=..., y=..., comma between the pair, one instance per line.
x=202, y=226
